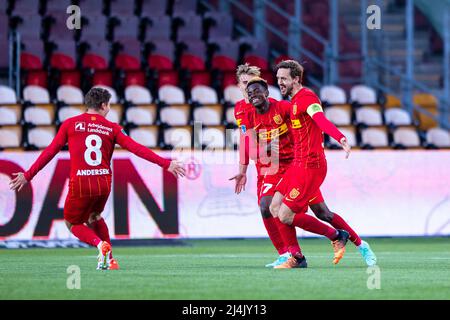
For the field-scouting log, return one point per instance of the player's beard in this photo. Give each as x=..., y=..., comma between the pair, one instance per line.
x=288, y=93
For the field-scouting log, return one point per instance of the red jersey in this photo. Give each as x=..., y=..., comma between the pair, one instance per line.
x=308, y=136
x=274, y=124
x=91, y=140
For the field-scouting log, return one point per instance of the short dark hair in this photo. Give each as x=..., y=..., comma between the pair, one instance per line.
x=96, y=97
x=259, y=80
x=295, y=68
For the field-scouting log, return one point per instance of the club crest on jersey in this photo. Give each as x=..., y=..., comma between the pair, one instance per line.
x=294, y=193
x=294, y=109
x=80, y=126
x=278, y=119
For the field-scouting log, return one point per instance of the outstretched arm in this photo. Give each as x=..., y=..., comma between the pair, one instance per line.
x=45, y=157
x=173, y=166
x=316, y=113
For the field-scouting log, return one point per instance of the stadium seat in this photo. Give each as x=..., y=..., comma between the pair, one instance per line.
x=36, y=94
x=229, y=116
x=438, y=137
x=24, y=7
x=269, y=77
x=67, y=112
x=135, y=78
x=376, y=137
x=192, y=63
x=275, y=93
x=138, y=95
x=392, y=102
x=200, y=78
x=426, y=122
x=71, y=78
x=70, y=95
x=223, y=63
x=181, y=7
x=97, y=55
x=169, y=77
x=10, y=115
x=122, y=8
x=29, y=25
x=209, y=115
x=232, y=94
x=171, y=94
x=41, y=136
x=397, y=117
x=7, y=95
x=350, y=133
x=190, y=28
x=157, y=8
x=36, y=78
x=407, y=137
x=178, y=137
x=160, y=62
x=258, y=61
x=102, y=78
x=32, y=54
x=129, y=57
x=141, y=115
x=95, y=28
x=115, y=113
x=64, y=55
x=112, y=91
x=339, y=115
x=333, y=95
x=363, y=94
x=370, y=116
x=10, y=136
x=40, y=115
x=220, y=24
x=426, y=101
x=145, y=135
x=213, y=137
x=159, y=26
x=56, y=20
x=228, y=79
x=204, y=95
x=175, y=115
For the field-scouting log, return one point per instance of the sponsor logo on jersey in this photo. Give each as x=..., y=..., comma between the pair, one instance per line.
x=80, y=126
x=278, y=119
x=274, y=133
x=296, y=124
x=98, y=128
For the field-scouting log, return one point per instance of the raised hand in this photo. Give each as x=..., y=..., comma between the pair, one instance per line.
x=345, y=146
x=177, y=168
x=18, y=182
x=241, y=180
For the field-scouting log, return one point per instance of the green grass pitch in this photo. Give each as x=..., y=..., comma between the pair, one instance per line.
x=410, y=268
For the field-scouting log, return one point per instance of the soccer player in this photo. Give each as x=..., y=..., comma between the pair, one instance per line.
x=308, y=170
x=91, y=139
x=266, y=180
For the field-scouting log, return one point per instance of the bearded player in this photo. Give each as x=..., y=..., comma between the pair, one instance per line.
x=91, y=139
x=309, y=167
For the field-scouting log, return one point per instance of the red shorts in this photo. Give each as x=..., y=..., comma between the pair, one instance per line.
x=301, y=187
x=94, y=195
x=267, y=182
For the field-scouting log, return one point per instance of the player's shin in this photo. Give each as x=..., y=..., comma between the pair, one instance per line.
x=101, y=229
x=338, y=223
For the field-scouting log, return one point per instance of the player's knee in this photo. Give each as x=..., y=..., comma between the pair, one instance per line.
x=273, y=208
x=285, y=218
x=264, y=207
x=323, y=213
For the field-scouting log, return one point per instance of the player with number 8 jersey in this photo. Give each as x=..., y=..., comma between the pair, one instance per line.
x=91, y=139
